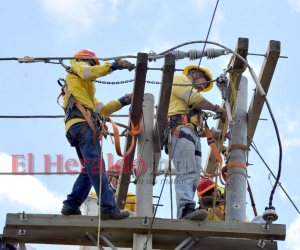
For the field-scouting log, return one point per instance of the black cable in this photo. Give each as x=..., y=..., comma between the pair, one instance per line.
x=46, y=116
x=32, y=116
x=252, y=144
x=280, y=153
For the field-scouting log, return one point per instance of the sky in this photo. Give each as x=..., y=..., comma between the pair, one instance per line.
x=49, y=28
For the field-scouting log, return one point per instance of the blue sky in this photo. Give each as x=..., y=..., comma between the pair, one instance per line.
x=116, y=27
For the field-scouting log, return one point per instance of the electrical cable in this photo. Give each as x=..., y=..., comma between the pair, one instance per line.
x=46, y=116
x=280, y=154
x=252, y=144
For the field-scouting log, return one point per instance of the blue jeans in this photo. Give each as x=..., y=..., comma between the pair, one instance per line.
x=188, y=167
x=89, y=156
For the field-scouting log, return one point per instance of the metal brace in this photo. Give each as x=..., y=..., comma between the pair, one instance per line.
x=222, y=84
x=261, y=243
x=187, y=243
x=145, y=222
x=22, y=232
x=23, y=216
x=93, y=240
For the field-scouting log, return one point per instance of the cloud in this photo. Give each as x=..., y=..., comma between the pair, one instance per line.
x=77, y=17
x=295, y=5
x=200, y=4
x=25, y=190
x=292, y=236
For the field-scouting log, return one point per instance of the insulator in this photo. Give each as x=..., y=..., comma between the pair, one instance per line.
x=152, y=53
x=179, y=54
x=270, y=214
x=213, y=53
x=195, y=54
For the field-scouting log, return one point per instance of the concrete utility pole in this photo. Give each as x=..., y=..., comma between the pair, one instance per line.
x=236, y=182
x=144, y=186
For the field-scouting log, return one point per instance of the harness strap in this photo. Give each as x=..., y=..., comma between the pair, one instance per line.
x=77, y=138
x=233, y=164
x=133, y=132
x=86, y=113
x=237, y=146
x=215, y=151
x=182, y=134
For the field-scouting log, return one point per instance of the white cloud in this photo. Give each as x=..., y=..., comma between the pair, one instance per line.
x=25, y=190
x=292, y=236
x=291, y=125
x=200, y=4
x=77, y=17
x=295, y=5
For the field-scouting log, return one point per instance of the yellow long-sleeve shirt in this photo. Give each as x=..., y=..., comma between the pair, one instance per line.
x=83, y=89
x=180, y=96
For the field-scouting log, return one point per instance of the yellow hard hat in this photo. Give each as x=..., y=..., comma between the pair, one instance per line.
x=207, y=72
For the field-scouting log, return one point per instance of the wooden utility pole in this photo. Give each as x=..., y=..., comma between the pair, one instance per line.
x=135, y=115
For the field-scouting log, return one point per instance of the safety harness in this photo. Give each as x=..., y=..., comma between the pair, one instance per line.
x=175, y=121
x=97, y=122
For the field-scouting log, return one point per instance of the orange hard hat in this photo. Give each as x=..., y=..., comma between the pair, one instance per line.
x=87, y=53
x=204, y=186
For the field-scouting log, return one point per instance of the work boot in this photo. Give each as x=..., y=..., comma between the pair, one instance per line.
x=197, y=215
x=188, y=209
x=117, y=215
x=70, y=211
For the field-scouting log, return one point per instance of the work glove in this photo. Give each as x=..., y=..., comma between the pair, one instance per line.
x=123, y=64
x=128, y=98
x=222, y=113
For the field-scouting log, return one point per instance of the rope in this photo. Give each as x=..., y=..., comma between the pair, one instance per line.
x=170, y=169
x=101, y=168
x=233, y=75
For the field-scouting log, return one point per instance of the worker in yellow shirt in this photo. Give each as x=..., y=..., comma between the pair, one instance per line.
x=113, y=179
x=83, y=130
x=186, y=103
x=205, y=192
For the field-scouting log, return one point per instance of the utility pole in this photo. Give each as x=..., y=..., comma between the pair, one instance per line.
x=144, y=186
x=236, y=182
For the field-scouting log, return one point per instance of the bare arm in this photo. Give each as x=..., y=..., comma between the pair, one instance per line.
x=205, y=104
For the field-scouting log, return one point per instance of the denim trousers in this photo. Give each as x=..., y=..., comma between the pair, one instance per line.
x=188, y=167
x=90, y=157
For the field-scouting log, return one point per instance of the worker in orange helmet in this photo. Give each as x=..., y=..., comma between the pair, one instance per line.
x=205, y=192
x=82, y=126
x=113, y=173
